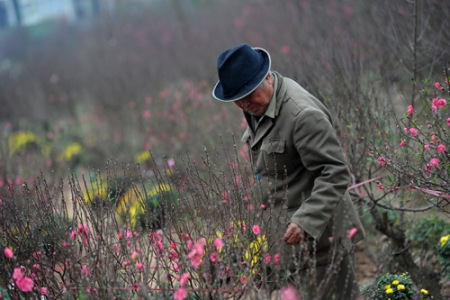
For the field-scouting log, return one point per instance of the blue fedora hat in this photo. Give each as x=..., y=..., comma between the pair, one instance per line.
x=241, y=70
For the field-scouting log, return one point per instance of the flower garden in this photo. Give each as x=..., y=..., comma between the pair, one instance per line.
x=121, y=178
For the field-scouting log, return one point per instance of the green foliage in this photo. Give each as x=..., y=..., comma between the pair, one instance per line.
x=444, y=254
x=394, y=287
x=426, y=232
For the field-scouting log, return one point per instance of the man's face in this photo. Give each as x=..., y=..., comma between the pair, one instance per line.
x=257, y=102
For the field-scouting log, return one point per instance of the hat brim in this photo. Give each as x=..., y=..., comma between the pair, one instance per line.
x=251, y=86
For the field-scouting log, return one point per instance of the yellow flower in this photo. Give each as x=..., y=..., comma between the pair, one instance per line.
x=142, y=156
x=395, y=282
x=70, y=151
x=401, y=287
x=387, y=287
x=20, y=139
x=157, y=189
x=389, y=291
x=444, y=240
x=424, y=291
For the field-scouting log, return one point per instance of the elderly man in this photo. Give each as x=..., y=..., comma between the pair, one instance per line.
x=299, y=163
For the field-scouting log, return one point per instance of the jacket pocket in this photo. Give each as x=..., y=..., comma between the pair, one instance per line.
x=275, y=157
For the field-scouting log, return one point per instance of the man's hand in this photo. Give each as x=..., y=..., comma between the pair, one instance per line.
x=294, y=234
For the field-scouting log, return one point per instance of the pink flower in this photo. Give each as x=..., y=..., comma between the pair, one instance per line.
x=196, y=261
x=289, y=292
x=199, y=248
x=352, y=232
x=184, y=279
x=129, y=234
x=44, y=291
x=382, y=161
x=73, y=234
x=126, y=263
x=441, y=148
x=256, y=229
x=214, y=256
x=413, y=131
x=25, y=284
x=17, y=274
x=243, y=280
x=180, y=294
x=85, y=271
x=276, y=258
x=438, y=85
x=410, y=109
x=426, y=147
x=438, y=103
x=267, y=258
x=434, y=162
x=448, y=121
x=8, y=253
x=402, y=143
x=140, y=266
x=134, y=256
x=263, y=206
x=171, y=163
x=218, y=243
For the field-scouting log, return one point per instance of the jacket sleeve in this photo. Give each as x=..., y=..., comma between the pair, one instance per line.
x=321, y=154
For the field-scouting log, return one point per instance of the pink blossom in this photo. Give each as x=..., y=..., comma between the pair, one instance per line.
x=434, y=162
x=129, y=234
x=171, y=163
x=184, y=279
x=352, y=232
x=426, y=147
x=438, y=103
x=410, y=109
x=267, y=258
x=243, y=280
x=441, y=148
x=438, y=85
x=402, y=143
x=413, y=131
x=180, y=294
x=382, y=161
x=44, y=291
x=218, y=243
x=276, y=258
x=126, y=263
x=263, y=206
x=448, y=121
x=199, y=250
x=196, y=261
x=8, y=253
x=17, y=274
x=85, y=271
x=73, y=234
x=25, y=284
x=256, y=229
x=140, y=266
x=214, y=256
x=380, y=186
x=289, y=292
x=134, y=256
